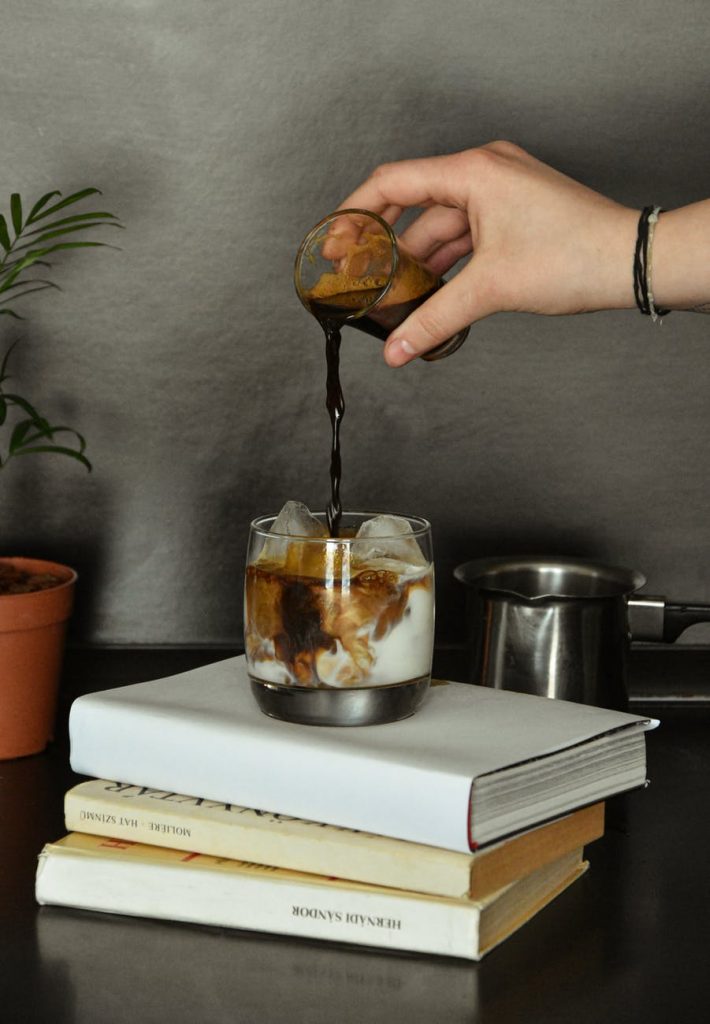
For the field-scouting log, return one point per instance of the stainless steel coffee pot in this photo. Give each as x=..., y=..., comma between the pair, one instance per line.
x=561, y=627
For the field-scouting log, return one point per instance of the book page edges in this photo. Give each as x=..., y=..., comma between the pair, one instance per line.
x=489, y=942
x=583, y=792
x=640, y=725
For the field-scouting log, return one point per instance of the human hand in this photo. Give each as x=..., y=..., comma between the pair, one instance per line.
x=541, y=242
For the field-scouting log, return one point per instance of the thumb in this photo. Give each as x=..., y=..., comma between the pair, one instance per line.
x=451, y=308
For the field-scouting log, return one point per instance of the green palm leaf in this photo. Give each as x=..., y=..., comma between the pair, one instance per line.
x=16, y=212
x=26, y=407
x=46, y=431
x=16, y=270
x=74, y=198
x=59, y=449
x=65, y=231
x=4, y=235
x=28, y=291
x=76, y=218
x=40, y=203
x=3, y=368
x=34, y=255
x=19, y=434
x=37, y=254
x=33, y=433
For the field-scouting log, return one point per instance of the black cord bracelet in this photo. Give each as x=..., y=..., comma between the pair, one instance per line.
x=642, y=276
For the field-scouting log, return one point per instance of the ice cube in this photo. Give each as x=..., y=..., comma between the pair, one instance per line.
x=387, y=536
x=294, y=520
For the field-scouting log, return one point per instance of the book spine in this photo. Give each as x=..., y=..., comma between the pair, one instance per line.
x=106, y=814
x=107, y=809
x=112, y=884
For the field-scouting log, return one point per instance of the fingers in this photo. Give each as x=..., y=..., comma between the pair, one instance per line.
x=436, y=226
x=451, y=308
x=445, y=257
x=437, y=179
x=391, y=214
x=348, y=230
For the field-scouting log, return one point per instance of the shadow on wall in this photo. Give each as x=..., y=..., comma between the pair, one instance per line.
x=52, y=507
x=53, y=530
x=591, y=142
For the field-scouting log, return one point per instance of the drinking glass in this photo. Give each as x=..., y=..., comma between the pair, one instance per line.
x=340, y=630
x=352, y=269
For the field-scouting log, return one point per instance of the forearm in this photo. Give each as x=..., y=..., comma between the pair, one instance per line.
x=680, y=269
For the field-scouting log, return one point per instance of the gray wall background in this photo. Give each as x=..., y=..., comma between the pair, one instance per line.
x=220, y=131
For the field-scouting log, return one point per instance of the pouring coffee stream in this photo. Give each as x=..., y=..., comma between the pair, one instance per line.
x=351, y=270
x=335, y=404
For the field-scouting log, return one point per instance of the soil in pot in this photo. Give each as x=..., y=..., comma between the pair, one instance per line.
x=14, y=580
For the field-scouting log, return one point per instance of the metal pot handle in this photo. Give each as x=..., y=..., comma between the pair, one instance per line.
x=651, y=618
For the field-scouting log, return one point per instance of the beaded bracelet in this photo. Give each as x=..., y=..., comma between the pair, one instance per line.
x=643, y=290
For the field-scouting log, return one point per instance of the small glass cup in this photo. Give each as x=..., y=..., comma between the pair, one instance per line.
x=351, y=268
x=340, y=630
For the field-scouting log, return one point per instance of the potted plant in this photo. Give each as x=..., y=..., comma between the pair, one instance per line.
x=35, y=596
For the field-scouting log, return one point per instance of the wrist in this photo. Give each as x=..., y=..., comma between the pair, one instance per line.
x=610, y=266
x=620, y=260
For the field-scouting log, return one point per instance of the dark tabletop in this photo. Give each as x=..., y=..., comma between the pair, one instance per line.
x=630, y=941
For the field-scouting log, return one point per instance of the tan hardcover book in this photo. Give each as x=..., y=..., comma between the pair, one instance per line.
x=162, y=818
x=118, y=877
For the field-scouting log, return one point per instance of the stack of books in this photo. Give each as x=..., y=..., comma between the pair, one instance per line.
x=440, y=834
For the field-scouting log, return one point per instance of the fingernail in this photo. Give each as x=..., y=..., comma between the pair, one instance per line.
x=399, y=352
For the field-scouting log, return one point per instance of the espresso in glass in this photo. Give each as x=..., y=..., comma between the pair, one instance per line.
x=346, y=614
x=352, y=269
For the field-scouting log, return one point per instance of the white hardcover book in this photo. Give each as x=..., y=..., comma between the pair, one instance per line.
x=144, y=815
x=117, y=877
x=472, y=766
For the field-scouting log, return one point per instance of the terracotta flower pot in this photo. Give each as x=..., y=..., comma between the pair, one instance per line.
x=32, y=628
